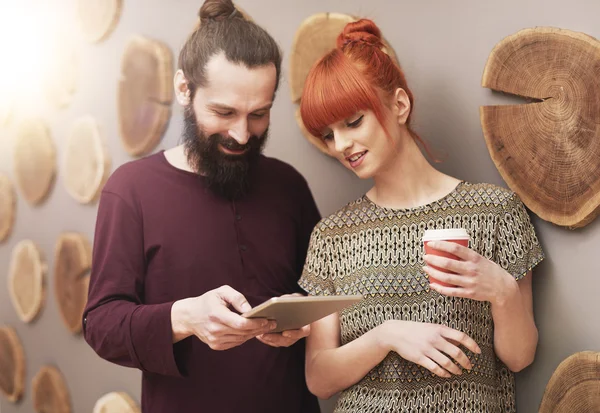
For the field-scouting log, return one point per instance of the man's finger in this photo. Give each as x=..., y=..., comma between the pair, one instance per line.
x=244, y=326
x=276, y=340
x=234, y=298
x=297, y=334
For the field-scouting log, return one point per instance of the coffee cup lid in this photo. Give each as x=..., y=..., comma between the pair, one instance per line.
x=445, y=234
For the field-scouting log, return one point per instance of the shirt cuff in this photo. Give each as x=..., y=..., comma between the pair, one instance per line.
x=151, y=340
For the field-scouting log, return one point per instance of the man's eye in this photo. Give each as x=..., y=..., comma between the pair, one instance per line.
x=357, y=122
x=258, y=115
x=224, y=114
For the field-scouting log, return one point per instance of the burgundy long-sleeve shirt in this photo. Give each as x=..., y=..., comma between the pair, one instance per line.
x=162, y=236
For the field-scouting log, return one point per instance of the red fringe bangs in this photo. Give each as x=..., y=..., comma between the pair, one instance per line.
x=335, y=90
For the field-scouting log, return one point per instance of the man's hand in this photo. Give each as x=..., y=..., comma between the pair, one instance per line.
x=285, y=338
x=209, y=318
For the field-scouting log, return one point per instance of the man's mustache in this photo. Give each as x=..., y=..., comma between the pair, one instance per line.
x=233, y=145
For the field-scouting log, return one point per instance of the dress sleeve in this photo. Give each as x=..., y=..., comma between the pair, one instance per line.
x=517, y=247
x=317, y=275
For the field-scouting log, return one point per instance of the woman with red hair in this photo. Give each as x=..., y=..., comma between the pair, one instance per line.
x=410, y=345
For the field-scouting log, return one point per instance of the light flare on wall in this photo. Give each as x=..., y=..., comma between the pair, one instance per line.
x=28, y=42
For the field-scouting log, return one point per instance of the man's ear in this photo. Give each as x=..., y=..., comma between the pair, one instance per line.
x=182, y=91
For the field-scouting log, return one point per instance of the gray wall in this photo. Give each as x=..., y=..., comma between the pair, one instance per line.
x=443, y=47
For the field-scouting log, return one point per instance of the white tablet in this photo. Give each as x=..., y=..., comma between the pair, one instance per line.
x=295, y=312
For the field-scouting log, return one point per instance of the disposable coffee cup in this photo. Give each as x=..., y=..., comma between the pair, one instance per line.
x=458, y=235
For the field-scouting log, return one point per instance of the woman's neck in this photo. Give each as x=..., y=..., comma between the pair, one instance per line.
x=410, y=180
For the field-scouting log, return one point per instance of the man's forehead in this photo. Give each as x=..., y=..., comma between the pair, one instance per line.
x=237, y=86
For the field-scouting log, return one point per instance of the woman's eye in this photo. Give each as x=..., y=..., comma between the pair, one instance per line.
x=328, y=137
x=357, y=122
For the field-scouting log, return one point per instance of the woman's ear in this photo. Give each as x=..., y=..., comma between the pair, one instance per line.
x=402, y=106
x=182, y=91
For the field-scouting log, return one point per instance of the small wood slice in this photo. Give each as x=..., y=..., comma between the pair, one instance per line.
x=98, y=18
x=34, y=160
x=315, y=37
x=50, y=392
x=12, y=365
x=7, y=207
x=575, y=385
x=87, y=163
x=62, y=72
x=26, y=280
x=73, y=260
x=145, y=94
x=548, y=152
x=116, y=402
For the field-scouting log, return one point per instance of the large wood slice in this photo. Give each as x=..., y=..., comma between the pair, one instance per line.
x=548, y=152
x=86, y=163
x=62, y=71
x=315, y=37
x=98, y=18
x=145, y=94
x=12, y=365
x=26, y=280
x=34, y=160
x=116, y=402
x=72, y=260
x=575, y=385
x=50, y=392
x=7, y=207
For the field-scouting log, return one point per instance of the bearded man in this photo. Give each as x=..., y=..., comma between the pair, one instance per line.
x=189, y=238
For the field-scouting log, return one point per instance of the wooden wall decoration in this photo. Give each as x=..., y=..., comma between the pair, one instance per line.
x=50, y=392
x=98, y=18
x=62, y=74
x=548, y=151
x=87, y=163
x=574, y=386
x=314, y=38
x=34, y=160
x=12, y=365
x=145, y=94
x=26, y=280
x=72, y=263
x=8, y=205
x=116, y=402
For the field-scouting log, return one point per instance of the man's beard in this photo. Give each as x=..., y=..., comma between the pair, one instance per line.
x=226, y=175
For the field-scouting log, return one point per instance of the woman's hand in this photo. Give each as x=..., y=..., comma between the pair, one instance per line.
x=475, y=276
x=432, y=346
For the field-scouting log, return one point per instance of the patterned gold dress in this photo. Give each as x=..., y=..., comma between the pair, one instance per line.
x=377, y=252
